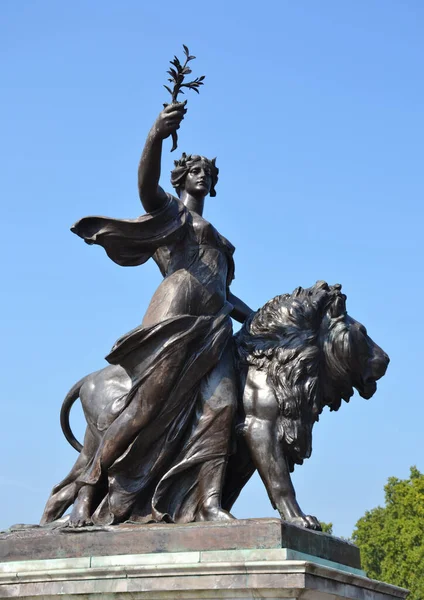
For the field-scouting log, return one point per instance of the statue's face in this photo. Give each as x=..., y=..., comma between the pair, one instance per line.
x=198, y=180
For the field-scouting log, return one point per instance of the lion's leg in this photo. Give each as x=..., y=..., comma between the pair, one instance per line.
x=58, y=503
x=270, y=461
x=267, y=452
x=65, y=492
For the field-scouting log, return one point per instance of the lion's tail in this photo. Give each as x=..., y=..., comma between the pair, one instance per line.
x=68, y=402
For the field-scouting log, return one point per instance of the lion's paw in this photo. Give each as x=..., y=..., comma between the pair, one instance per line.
x=306, y=521
x=314, y=523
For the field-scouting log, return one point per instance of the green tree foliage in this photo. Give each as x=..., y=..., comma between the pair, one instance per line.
x=327, y=527
x=391, y=539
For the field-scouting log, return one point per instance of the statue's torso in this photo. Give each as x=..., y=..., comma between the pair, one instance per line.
x=197, y=270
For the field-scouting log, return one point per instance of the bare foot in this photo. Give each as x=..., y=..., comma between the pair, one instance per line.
x=80, y=516
x=81, y=512
x=214, y=513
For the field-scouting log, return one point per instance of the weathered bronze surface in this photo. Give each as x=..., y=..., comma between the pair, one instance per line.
x=44, y=543
x=186, y=412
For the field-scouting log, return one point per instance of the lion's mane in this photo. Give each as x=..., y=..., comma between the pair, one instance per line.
x=303, y=342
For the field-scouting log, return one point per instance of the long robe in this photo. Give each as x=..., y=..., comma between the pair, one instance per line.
x=184, y=438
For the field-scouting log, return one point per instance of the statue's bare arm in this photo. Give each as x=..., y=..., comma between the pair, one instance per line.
x=151, y=194
x=240, y=311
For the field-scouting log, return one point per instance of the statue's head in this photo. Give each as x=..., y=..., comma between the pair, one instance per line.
x=195, y=168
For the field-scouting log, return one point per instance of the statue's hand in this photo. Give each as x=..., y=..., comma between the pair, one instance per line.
x=169, y=120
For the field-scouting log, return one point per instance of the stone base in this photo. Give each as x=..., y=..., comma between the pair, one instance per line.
x=260, y=558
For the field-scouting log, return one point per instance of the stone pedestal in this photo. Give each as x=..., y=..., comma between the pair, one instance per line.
x=261, y=558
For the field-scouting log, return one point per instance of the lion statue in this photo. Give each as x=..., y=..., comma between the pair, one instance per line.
x=297, y=354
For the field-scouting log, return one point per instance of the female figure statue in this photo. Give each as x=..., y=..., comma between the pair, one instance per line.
x=159, y=450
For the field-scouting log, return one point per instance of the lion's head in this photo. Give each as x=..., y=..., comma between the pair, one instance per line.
x=314, y=355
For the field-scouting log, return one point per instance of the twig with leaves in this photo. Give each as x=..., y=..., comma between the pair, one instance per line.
x=177, y=73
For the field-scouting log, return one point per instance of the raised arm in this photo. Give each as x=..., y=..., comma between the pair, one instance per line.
x=151, y=194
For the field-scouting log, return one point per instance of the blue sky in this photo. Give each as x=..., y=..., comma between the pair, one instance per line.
x=315, y=111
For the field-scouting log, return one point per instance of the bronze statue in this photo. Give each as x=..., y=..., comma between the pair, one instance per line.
x=299, y=353
x=185, y=412
x=160, y=421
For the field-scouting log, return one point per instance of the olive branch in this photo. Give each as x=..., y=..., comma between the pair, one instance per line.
x=177, y=73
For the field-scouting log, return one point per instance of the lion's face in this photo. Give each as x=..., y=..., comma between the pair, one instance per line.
x=314, y=355
x=353, y=359
x=371, y=360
